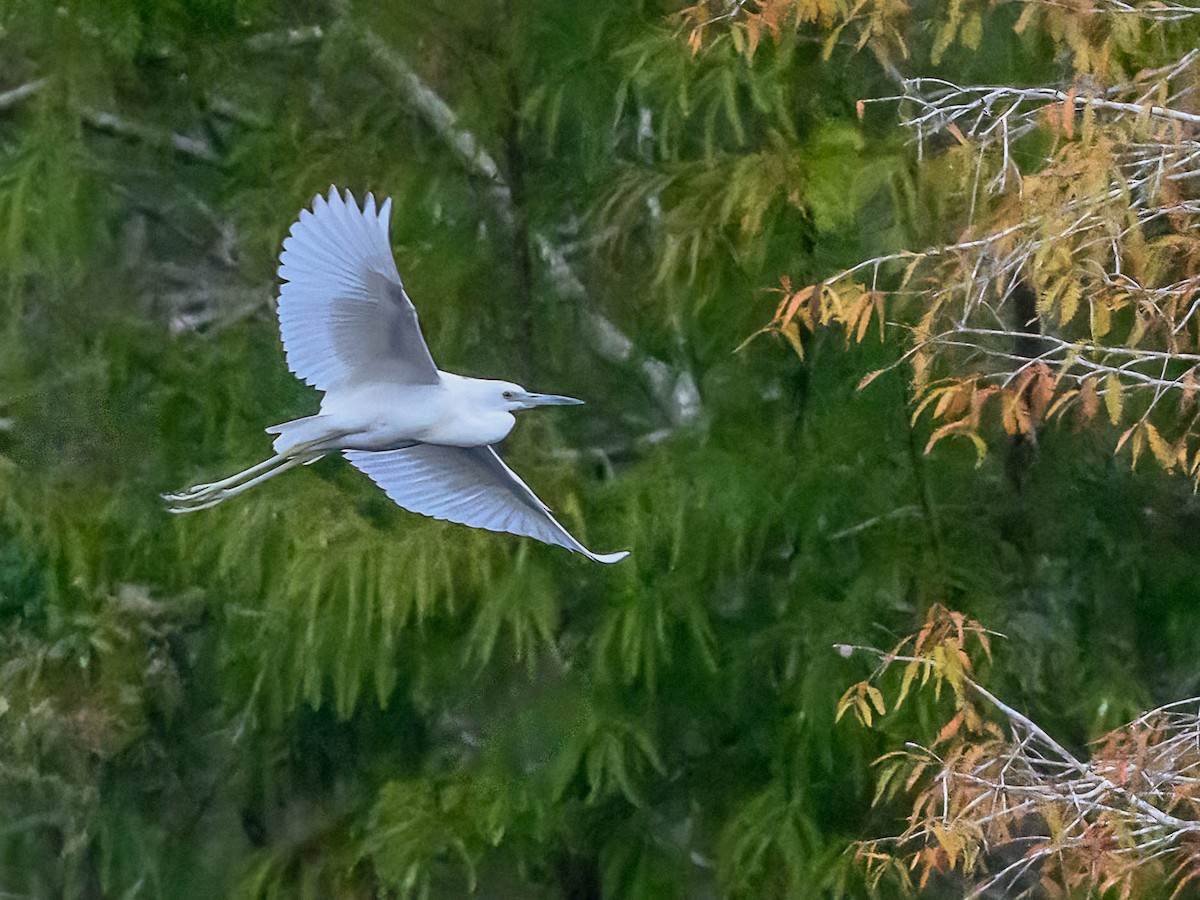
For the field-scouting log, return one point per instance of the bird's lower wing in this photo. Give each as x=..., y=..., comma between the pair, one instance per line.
x=468, y=485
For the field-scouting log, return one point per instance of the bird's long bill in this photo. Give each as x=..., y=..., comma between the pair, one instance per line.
x=530, y=400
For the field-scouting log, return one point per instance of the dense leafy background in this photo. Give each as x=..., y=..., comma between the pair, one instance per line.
x=310, y=693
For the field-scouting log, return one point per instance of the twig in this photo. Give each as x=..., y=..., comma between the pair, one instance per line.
x=111, y=123
x=899, y=513
x=285, y=37
x=12, y=97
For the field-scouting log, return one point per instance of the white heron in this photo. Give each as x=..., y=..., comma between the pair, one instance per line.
x=423, y=435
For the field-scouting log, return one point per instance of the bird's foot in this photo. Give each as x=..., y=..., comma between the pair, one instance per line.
x=192, y=494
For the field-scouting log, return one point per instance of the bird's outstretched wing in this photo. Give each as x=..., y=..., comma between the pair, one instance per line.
x=468, y=485
x=343, y=313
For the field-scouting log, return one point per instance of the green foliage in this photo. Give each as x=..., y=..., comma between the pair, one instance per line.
x=768, y=846
x=612, y=753
x=411, y=826
x=308, y=692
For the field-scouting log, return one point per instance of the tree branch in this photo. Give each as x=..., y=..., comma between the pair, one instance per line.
x=111, y=123
x=12, y=97
x=285, y=37
x=674, y=390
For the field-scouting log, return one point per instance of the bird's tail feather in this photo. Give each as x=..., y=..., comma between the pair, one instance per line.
x=291, y=435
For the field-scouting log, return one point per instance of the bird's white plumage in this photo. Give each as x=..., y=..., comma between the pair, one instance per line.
x=468, y=485
x=422, y=435
x=343, y=313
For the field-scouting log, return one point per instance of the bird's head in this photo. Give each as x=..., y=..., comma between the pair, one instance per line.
x=513, y=397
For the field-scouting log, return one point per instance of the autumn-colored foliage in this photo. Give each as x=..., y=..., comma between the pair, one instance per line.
x=1097, y=34
x=998, y=803
x=1070, y=287
x=1062, y=287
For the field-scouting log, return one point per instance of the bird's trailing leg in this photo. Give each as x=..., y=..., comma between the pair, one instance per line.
x=204, y=496
x=197, y=490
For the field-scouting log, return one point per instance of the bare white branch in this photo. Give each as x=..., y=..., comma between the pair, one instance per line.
x=11, y=98
x=673, y=388
x=119, y=126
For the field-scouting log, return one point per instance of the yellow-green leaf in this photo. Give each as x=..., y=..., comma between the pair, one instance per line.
x=1113, y=401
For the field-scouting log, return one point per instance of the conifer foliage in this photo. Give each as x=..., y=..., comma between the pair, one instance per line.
x=310, y=693
x=1059, y=283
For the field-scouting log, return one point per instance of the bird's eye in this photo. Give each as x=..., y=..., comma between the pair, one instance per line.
x=508, y=395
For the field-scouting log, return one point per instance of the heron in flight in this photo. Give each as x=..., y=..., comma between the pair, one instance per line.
x=423, y=435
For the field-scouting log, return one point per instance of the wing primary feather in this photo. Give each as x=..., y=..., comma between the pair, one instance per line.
x=468, y=485
x=343, y=314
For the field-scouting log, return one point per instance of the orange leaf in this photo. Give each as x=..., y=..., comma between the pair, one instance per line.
x=949, y=729
x=869, y=377
x=792, y=302
x=1089, y=401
